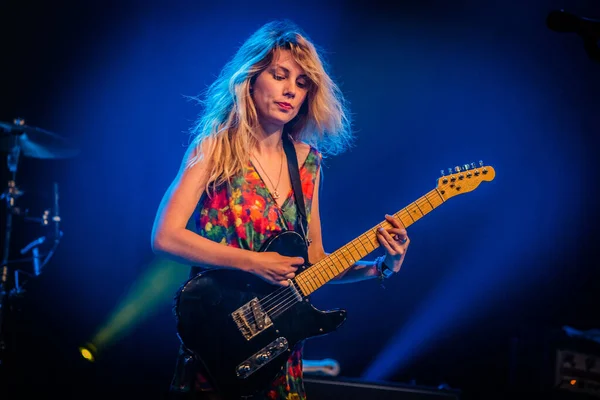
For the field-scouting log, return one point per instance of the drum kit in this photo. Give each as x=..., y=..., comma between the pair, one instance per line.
x=20, y=140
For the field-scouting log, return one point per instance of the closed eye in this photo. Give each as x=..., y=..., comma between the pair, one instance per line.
x=301, y=84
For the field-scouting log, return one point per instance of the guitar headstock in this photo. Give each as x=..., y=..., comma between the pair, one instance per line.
x=464, y=179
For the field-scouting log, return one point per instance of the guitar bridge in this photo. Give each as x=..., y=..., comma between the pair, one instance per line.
x=251, y=319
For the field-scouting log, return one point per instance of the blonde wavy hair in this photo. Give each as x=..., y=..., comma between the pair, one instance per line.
x=223, y=134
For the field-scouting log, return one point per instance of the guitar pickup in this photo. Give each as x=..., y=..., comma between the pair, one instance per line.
x=261, y=357
x=251, y=319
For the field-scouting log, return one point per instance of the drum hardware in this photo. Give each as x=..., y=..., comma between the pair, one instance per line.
x=20, y=140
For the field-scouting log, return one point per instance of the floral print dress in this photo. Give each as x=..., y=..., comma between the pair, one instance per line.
x=244, y=215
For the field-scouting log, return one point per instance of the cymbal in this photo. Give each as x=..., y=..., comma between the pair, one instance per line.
x=35, y=142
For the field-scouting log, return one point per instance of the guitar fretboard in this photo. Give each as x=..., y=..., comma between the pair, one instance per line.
x=343, y=258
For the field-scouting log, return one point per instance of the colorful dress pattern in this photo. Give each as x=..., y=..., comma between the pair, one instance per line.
x=244, y=215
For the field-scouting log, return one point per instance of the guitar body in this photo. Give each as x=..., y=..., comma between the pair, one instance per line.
x=243, y=329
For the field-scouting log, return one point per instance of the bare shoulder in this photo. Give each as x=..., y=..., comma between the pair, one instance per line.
x=196, y=156
x=194, y=171
x=302, y=149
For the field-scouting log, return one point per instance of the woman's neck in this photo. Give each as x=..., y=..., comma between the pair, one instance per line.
x=269, y=142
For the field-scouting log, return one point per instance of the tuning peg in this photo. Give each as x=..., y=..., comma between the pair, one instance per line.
x=473, y=165
x=444, y=179
x=450, y=171
x=480, y=163
x=466, y=166
x=457, y=168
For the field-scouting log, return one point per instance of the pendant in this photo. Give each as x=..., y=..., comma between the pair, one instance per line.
x=275, y=195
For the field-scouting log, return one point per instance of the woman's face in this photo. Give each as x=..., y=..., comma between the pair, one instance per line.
x=279, y=91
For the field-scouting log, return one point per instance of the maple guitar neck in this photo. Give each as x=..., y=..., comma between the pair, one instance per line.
x=463, y=180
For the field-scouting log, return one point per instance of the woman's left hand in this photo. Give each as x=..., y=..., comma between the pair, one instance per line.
x=395, y=241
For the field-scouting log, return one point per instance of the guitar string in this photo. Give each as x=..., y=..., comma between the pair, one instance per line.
x=279, y=308
x=269, y=299
x=315, y=277
x=312, y=276
x=288, y=304
x=287, y=294
x=288, y=301
x=285, y=303
x=283, y=307
x=249, y=315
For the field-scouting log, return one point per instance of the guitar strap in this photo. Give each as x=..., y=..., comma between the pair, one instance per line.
x=292, y=159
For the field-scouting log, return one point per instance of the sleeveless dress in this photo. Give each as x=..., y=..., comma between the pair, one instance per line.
x=244, y=215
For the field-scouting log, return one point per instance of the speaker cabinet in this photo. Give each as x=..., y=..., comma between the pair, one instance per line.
x=354, y=389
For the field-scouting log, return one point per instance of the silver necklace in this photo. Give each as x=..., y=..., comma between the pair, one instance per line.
x=275, y=193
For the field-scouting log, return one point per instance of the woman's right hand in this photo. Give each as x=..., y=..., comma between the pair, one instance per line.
x=273, y=267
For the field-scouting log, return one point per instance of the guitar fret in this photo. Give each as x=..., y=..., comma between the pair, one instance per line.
x=333, y=266
x=414, y=212
x=319, y=272
x=359, y=239
x=310, y=283
x=409, y=216
x=431, y=205
x=357, y=256
x=425, y=205
x=302, y=285
x=336, y=255
x=371, y=240
x=318, y=277
x=323, y=273
x=342, y=251
x=439, y=195
x=421, y=211
x=352, y=257
x=428, y=201
x=314, y=278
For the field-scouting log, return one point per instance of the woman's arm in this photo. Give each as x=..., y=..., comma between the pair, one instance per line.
x=171, y=239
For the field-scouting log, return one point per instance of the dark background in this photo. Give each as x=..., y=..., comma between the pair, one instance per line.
x=490, y=279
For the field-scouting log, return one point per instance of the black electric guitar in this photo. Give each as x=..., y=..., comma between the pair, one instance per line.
x=242, y=329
